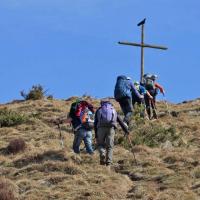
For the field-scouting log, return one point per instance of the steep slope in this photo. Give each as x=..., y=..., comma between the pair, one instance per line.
x=166, y=150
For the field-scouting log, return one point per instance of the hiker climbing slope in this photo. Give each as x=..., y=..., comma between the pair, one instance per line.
x=142, y=90
x=124, y=89
x=153, y=88
x=106, y=119
x=81, y=116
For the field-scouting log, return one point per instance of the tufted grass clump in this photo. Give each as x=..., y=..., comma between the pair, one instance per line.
x=16, y=145
x=8, y=190
x=11, y=118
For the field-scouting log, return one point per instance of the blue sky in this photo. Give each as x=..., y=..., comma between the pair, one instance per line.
x=70, y=46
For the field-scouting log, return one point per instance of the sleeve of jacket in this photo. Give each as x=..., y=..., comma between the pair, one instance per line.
x=72, y=110
x=134, y=90
x=143, y=90
x=123, y=126
x=159, y=87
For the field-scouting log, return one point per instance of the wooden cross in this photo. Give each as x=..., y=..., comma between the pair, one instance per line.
x=142, y=45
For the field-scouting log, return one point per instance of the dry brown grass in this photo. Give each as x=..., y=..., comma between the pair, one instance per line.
x=44, y=171
x=8, y=190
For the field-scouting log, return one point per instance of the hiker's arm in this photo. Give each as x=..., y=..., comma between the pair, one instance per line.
x=90, y=106
x=123, y=126
x=62, y=120
x=135, y=91
x=160, y=88
x=148, y=94
x=95, y=124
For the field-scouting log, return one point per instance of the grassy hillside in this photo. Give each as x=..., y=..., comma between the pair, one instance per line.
x=166, y=150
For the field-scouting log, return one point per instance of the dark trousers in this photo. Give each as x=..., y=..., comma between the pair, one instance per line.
x=127, y=108
x=141, y=102
x=151, y=104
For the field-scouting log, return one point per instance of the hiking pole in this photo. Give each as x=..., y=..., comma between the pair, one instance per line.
x=61, y=138
x=129, y=139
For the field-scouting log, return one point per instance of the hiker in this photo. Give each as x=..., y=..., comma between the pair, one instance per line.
x=105, y=123
x=153, y=88
x=81, y=116
x=141, y=89
x=124, y=89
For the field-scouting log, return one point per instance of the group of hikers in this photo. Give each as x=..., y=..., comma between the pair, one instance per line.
x=104, y=120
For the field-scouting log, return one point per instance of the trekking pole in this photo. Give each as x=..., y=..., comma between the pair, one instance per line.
x=129, y=139
x=61, y=138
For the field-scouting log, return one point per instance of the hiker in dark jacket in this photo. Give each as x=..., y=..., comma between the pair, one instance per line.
x=124, y=89
x=81, y=131
x=141, y=89
x=105, y=123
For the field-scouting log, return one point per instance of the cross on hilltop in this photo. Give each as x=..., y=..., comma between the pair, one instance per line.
x=143, y=45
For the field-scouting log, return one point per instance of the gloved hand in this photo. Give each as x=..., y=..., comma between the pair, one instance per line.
x=163, y=93
x=141, y=96
x=151, y=97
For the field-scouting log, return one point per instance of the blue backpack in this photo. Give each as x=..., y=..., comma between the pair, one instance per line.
x=122, y=88
x=107, y=115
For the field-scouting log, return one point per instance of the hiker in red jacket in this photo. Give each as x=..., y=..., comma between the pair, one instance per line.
x=153, y=88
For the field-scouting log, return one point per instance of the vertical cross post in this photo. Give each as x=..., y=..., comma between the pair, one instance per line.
x=142, y=49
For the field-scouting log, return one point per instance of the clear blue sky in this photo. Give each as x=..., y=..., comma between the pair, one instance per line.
x=70, y=46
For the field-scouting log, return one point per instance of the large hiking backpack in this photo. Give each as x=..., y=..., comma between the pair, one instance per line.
x=122, y=88
x=81, y=115
x=149, y=84
x=87, y=119
x=107, y=115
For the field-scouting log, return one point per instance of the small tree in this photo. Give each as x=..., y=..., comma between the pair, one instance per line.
x=37, y=92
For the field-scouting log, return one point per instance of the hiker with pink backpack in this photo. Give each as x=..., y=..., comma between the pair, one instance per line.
x=105, y=124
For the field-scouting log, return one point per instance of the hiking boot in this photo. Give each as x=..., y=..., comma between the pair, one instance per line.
x=155, y=115
x=102, y=162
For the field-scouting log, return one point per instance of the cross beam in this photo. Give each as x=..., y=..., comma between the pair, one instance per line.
x=143, y=45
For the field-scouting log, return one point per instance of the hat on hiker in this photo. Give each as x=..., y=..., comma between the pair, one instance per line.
x=136, y=83
x=154, y=77
x=147, y=75
x=128, y=78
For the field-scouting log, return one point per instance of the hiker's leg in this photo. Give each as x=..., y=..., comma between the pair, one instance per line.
x=88, y=142
x=77, y=140
x=128, y=109
x=153, y=103
x=109, y=145
x=101, y=135
x=122, y=104
x=148, y=108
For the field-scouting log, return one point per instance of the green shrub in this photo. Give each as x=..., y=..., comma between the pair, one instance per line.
x=11, y=118
x=37, y=92
x=151, y=134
